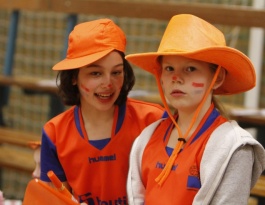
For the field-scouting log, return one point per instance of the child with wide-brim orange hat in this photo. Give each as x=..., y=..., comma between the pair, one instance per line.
x=196, y=156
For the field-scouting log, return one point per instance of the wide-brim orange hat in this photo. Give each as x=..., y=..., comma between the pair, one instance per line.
x=90, y=41
x=189, y=36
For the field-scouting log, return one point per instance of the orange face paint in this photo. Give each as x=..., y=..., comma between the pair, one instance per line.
x=198, y=85
x=174, y=78
x=85, y=88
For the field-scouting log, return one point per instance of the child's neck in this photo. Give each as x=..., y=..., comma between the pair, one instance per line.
x=98, y=125
x=185, y=119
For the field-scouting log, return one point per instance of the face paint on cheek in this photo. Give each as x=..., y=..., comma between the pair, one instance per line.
x=198, y=85
x=84, y=88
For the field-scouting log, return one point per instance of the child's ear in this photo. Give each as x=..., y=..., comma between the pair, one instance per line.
x=220, y=78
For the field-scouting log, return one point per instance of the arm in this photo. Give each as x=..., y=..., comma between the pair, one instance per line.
x=235, y=185
x=49, y=160
x=229, y=142
x=135, y=187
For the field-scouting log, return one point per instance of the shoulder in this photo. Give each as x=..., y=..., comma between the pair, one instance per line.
x=225, y=141
x=231, y=134
x=62, y=118
x=144, y=112
x=143, y=104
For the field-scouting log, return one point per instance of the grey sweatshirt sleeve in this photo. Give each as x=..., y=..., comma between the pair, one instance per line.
x=236, y=183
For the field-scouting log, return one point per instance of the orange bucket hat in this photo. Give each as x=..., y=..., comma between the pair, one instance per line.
x=90, y=41
x=192, y=37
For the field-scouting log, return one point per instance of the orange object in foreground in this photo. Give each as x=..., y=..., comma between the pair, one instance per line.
x=58, y=184
x=40, y=193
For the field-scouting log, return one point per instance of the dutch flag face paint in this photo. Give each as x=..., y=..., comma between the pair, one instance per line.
x=198, y=86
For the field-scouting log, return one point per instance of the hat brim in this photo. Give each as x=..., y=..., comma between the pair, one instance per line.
x=240, y=75
x=73, y=63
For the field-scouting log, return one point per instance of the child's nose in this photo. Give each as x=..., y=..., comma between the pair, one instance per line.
x=177, y=79
x=106, y=81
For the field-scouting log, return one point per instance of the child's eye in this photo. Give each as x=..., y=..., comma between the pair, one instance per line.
x=95, y=73
x=190, y=69
x=117, y=72
x=168, y=68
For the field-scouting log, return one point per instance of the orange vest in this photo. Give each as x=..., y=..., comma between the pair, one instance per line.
x=183, y=181
x=96, y=176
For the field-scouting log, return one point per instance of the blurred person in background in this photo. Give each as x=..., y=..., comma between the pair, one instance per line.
x=36, y=146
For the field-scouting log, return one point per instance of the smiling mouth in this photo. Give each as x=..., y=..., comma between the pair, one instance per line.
x=104, y=96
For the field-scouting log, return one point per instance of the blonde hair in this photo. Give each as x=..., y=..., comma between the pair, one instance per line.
x=220, y=107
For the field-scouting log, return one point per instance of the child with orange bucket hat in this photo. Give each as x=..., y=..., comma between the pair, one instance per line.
x=196, y=155
x=88, y=145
